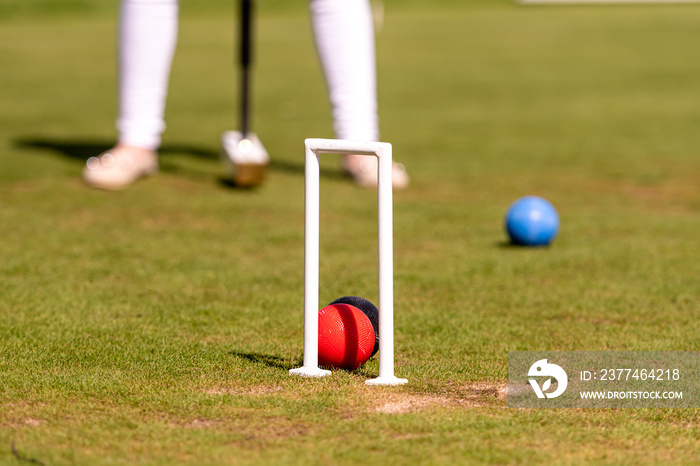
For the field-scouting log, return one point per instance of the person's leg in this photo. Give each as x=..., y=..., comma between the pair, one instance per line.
x=344, y=35
x=147, y=39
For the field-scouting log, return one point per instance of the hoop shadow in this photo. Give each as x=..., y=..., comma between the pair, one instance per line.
x=277, y=362
x=268, y=360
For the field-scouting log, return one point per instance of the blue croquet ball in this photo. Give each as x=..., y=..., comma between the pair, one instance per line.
x=532, y=221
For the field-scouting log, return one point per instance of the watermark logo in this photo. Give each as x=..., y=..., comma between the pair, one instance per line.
x=604, y=379
x=544, y=369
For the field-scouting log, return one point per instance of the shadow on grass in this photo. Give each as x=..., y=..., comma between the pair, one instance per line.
x=268, y=360
x=22, y=458
x=285, y=364
x=286, y=166
x=521, y=247
x=83, y=149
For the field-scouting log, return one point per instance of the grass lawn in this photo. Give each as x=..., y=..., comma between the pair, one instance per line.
x=157, y=325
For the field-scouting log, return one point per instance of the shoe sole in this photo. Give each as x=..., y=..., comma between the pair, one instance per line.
x=117, y=186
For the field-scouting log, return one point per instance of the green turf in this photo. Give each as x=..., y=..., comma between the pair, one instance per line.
x=157, y=325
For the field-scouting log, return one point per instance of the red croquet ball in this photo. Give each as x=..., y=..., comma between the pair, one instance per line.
x=345, y=337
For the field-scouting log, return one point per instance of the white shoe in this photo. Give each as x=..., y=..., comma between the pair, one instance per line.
x=119, y=167
x=363, y=170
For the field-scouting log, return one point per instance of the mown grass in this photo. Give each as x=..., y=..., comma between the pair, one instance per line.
x=157, y=325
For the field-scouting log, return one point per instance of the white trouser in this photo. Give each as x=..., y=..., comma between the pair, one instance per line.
x=147, y=37
x=344, y=35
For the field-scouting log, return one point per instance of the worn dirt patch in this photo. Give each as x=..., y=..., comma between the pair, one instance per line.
x=201, y=424
x=496, y=390
x=389, y=401
x=465, y=396
x=25, y=422
x=408, y=403
x=257, y=390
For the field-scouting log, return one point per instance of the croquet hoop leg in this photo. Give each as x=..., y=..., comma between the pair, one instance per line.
x=381, y=150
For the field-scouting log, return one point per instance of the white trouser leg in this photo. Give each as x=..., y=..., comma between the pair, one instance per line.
x=344, y=34
x=147, y=38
